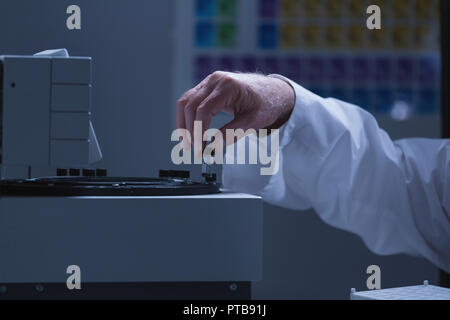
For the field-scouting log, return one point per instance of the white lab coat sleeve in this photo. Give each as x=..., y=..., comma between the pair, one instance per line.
x=334, y=158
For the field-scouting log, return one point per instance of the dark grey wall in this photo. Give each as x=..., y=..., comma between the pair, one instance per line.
x=130, y=44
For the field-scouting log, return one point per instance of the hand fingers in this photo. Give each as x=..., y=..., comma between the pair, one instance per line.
x=212, y=105
x=192, y=100
x=209, y=108
x=202, y=103
x=222, y=99
x=180, y=122
x=184, y=100
x=190, y=110
x=240, y=122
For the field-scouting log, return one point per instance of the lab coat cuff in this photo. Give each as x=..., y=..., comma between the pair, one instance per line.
x=297, y=116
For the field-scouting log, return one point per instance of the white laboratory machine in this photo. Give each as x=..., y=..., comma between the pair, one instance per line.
x=165, y=238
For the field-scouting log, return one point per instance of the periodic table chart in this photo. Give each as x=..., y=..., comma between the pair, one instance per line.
x=324, y=45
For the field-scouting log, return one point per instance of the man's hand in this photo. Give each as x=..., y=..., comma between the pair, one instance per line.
x=255, y=101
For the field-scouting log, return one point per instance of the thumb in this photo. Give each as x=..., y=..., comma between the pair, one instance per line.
x=240, y=126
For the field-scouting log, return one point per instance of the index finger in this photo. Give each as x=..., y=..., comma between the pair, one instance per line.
x=184, y=101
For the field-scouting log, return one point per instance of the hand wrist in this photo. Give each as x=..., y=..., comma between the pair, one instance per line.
x=287, y=103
